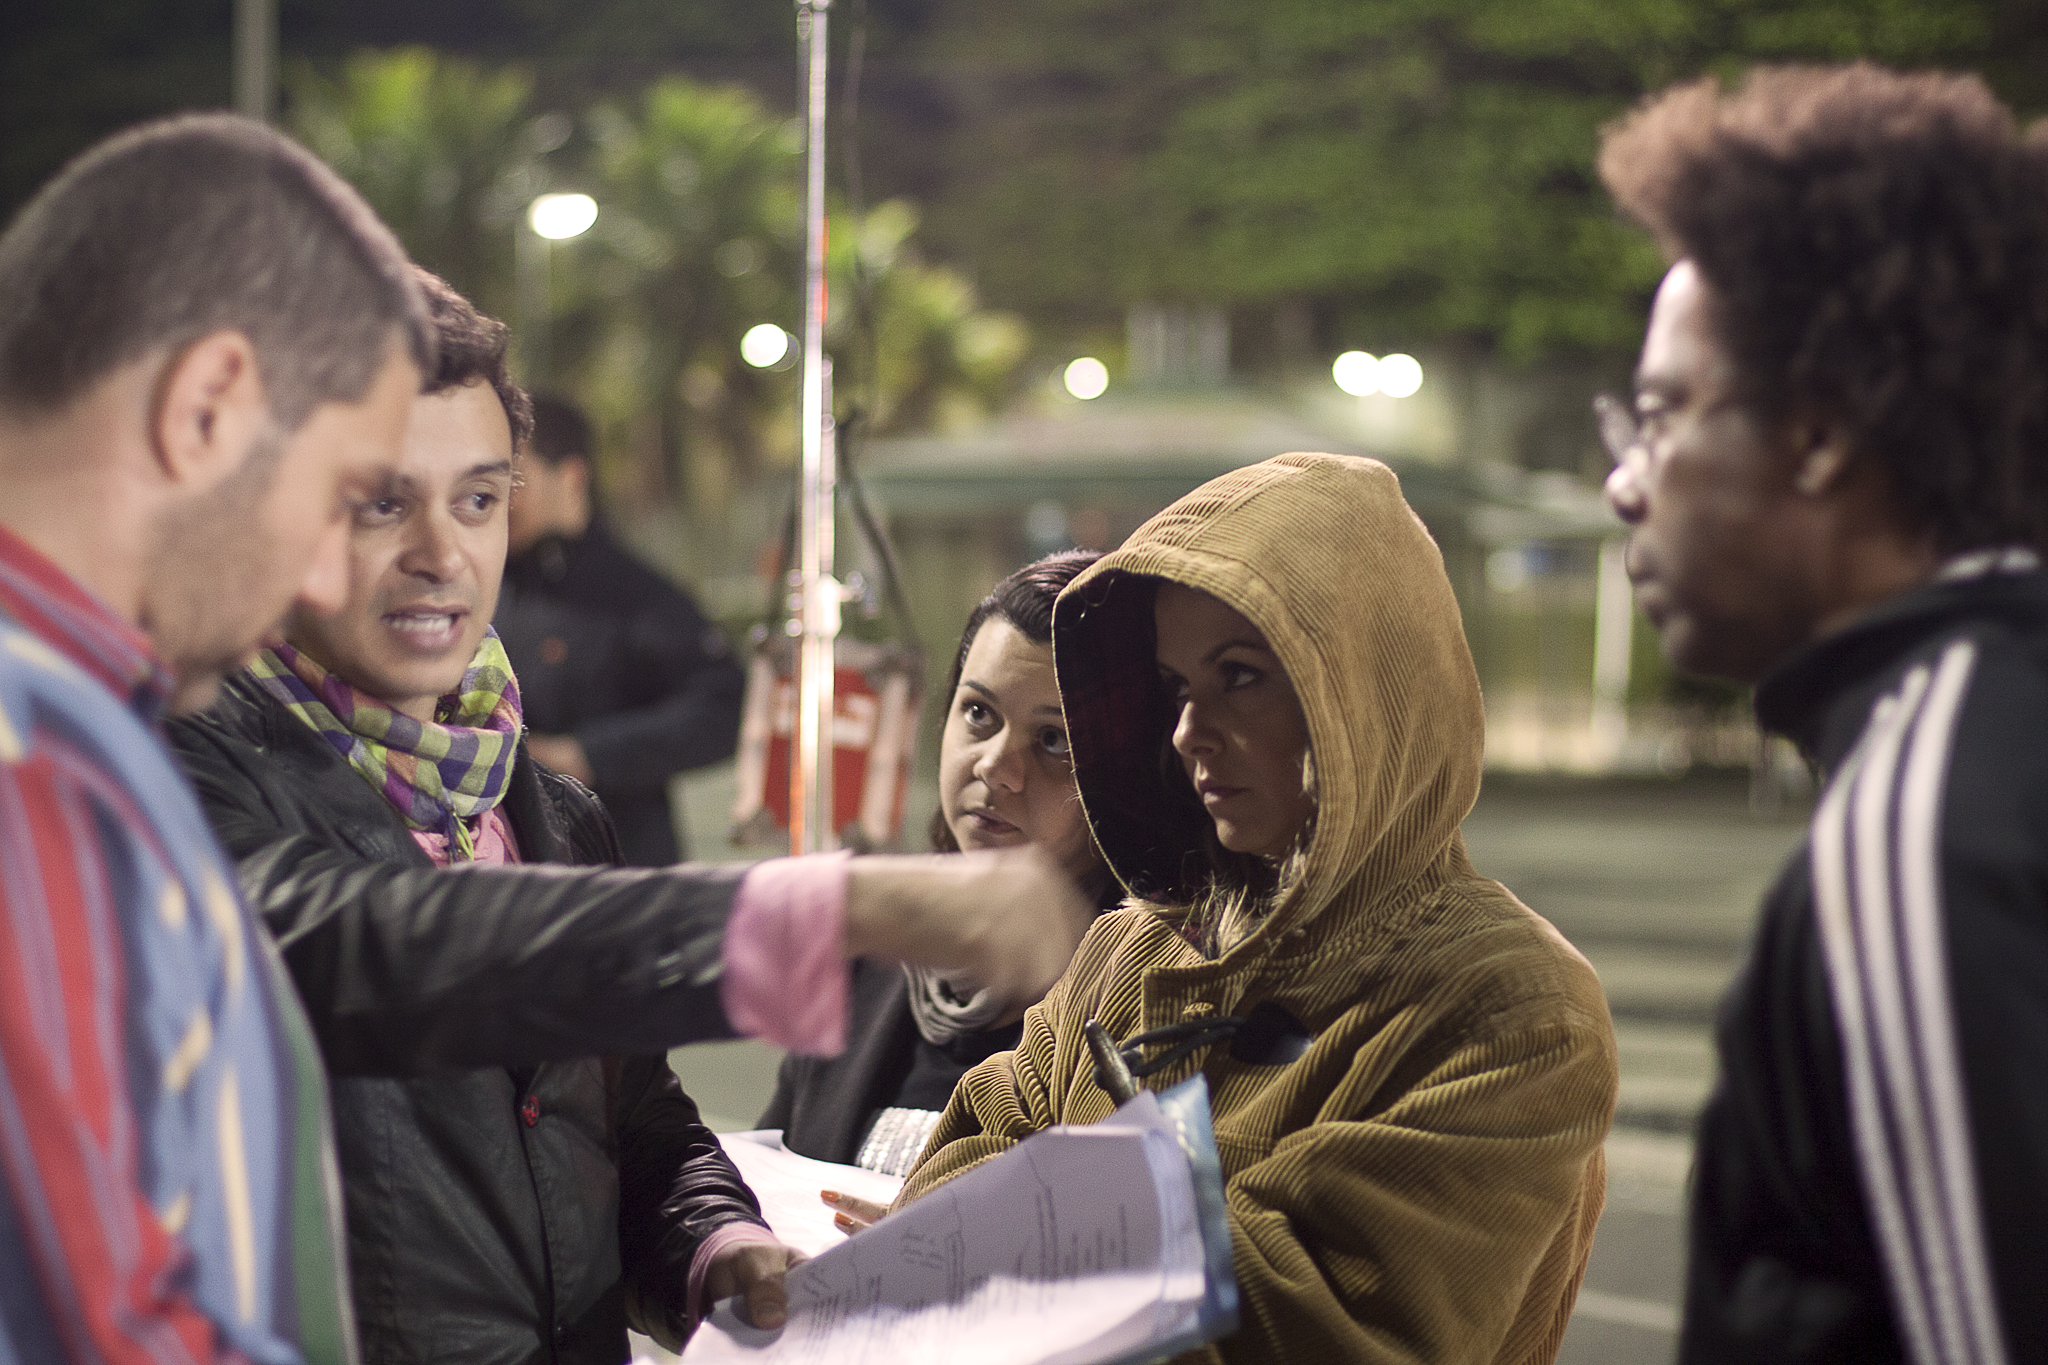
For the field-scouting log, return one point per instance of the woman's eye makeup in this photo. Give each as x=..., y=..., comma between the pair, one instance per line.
x=1236, y=675
x=1053, y=741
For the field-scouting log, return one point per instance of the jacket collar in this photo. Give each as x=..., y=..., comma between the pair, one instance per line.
x=254, y=716
x=57, y=608
x=1801, y=697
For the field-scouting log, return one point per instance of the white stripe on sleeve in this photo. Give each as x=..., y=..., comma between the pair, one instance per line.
x=1877, y=890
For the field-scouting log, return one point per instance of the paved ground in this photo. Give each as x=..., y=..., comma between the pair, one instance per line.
x=1657, y=883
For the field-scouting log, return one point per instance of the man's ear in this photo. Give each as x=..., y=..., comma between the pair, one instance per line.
x=1823, y=456
x=210, y=409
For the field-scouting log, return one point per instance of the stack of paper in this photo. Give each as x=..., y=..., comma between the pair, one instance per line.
x=788, y=1186
x=1076, y=1247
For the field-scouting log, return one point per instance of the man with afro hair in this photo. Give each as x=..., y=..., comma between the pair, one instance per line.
x=1835, y=478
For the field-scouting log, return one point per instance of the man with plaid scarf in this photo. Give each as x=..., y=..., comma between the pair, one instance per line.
x=527, y=1201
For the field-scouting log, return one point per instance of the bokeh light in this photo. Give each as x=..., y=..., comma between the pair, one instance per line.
x=560, y=216
x=1400, y=375
x=1357, y=373
x=1087, y=378
x=764, y=345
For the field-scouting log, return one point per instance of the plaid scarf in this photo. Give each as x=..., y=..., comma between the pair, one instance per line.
x=438, y=776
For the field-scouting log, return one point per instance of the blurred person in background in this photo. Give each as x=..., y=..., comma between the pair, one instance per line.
x=208, y=349
x=625, y=683
x=1835, y=478
x=1005, y=780
x=507, y=1214
x=1276, y=731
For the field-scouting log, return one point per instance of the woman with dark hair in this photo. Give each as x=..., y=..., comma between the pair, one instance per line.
x=1005, y=780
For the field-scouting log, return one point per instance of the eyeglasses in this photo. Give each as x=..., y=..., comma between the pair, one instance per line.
x=1628, y=436
x=1620, y=432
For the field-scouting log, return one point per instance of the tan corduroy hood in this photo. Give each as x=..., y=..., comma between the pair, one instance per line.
x=1358, y=610
x=1420, y=1183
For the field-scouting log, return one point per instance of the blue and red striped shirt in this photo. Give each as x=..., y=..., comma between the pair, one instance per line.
x=167, y=1181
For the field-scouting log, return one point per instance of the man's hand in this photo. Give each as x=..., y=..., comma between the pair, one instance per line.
x=1009, y=919
x=851, y=1215
x=563, y=753
x=754, y=1270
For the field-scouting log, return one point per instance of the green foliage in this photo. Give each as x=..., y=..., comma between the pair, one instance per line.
x=447, y=151
x=695, y=243
x=1420, y=168
x=933, y=358
x=696, y=240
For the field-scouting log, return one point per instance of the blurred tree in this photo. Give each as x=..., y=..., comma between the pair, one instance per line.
x=1413, y=167
x=1417, y=169
x=449, y=153
x=695, y=242
x=915, y=344
x=698, y=242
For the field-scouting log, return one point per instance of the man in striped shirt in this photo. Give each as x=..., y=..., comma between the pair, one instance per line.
x=208, y=348
x=1836, y=485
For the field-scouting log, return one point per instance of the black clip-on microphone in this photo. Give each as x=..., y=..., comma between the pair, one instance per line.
x=1112, y=1072
x=1268, y=1036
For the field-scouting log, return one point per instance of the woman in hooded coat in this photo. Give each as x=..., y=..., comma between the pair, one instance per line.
x=1415, y=1175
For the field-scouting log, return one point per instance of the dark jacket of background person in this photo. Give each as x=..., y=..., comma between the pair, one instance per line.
x=612, y=653
x=826, y=1105
x=1422, y=1183
x=489, y=1210
x=1928, y=717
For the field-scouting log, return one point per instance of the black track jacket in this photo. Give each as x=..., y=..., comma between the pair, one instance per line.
x=1872, y=1172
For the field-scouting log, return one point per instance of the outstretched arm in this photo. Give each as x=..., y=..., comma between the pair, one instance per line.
x=412, y=969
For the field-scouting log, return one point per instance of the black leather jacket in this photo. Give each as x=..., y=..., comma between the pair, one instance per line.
x=502, y=1214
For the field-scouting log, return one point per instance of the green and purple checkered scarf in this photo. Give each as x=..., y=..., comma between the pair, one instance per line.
x=438, y=776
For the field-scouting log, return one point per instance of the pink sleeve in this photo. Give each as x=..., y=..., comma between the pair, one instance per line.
x=730, y=1234
x=785, y=965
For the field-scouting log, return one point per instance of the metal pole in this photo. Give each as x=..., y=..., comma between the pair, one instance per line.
x=256, y=59
x=1613, y=643
x=810, y=805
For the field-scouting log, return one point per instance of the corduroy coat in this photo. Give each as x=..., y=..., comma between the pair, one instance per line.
x=1421, y=1185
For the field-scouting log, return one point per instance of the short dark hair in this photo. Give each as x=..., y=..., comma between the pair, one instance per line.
x=172, y=230
x=1876, y=250
x=560, y=431
x=471, y=349
x=1024, y=599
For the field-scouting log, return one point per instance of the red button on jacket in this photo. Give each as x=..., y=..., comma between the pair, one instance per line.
x=530, y=1110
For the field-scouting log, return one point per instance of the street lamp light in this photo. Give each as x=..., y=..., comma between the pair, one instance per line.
x=552, y=218
x=1362, y=374
x=1400, y=375
x=765, y=346
x=1086, y=378
x=559, y=217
